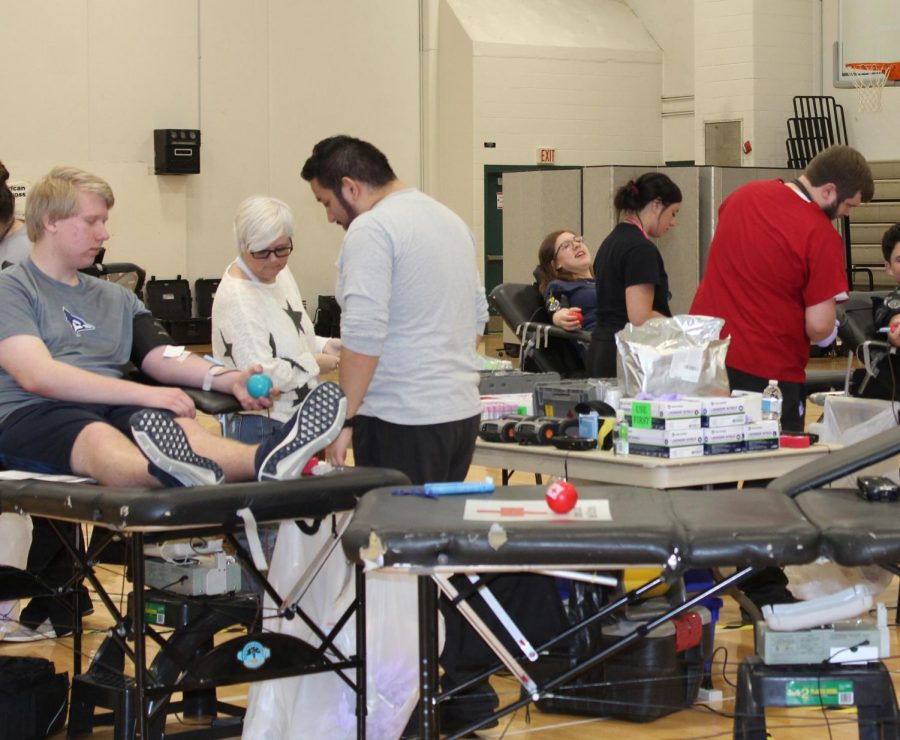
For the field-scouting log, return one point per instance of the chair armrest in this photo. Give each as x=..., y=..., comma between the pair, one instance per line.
x=213, y=402
x=209, y=402
x=543, y=330
x=872, y=352
x=581, y=335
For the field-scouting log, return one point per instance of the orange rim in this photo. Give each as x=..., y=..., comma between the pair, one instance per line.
x=891, y=69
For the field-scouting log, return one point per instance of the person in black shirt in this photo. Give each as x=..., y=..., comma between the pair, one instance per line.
x=631, y=280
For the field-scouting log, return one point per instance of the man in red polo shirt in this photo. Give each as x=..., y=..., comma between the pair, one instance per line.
x=776, y=271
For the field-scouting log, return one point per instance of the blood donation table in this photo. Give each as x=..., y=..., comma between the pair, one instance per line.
x=649, y=472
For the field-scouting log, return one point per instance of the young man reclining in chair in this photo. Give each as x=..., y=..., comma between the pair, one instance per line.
x=887, y=315
x=885, y=383
x=64, y=338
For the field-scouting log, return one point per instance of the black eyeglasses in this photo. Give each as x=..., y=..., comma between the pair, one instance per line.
x=569, y=244
x=282, y=251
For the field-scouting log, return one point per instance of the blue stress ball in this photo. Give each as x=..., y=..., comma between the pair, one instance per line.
x=259, y=385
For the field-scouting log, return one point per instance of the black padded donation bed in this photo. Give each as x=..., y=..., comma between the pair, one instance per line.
x=747, y=529
x=187, y=662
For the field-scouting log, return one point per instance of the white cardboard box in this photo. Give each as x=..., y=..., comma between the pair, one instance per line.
x=683, y=407
x=674, y=453
x=665, y=437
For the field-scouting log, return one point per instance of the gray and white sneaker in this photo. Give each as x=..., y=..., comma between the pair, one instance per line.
x=314, y=426
x=167, y=448
x=43, y=631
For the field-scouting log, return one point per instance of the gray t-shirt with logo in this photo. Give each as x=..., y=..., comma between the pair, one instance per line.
x=88, y=325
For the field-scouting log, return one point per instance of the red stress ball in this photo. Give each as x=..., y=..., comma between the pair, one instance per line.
x=561, y=497
x=310, y=466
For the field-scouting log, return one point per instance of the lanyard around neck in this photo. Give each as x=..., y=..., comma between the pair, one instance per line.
x=635, y=221
x=800, y=186
x=242, y=266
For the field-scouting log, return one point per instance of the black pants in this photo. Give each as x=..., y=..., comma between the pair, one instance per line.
x=793, y=407
x=769, y=586
x=429, y=453
x=51, y=563
x=601, y=358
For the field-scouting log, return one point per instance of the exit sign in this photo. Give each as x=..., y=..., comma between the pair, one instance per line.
x=546, y=156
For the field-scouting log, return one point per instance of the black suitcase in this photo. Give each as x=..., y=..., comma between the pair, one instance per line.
x=190, y=331
x=327, y=321
x=169, y=299
x=33, y=698
x=205, y=290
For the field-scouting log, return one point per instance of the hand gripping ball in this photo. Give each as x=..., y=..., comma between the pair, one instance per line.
x=259, y=385
x=561, y=497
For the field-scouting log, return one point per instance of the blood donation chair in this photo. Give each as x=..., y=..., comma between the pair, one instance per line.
x=856, y=334
x=126, y=274
x=545, y=347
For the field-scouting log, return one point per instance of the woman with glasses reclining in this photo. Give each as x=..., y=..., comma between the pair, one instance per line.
x=258, y=313
x=566, y=280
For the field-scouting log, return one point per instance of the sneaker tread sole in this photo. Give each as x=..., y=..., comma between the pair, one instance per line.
x=165, y=445
x=316, y=425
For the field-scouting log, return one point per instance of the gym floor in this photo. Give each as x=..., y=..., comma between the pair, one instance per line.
x=733, y=642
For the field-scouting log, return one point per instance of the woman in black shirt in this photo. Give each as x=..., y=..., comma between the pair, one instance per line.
x=631, y=280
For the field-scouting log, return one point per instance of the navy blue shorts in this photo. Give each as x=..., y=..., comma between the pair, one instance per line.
x=39, y=437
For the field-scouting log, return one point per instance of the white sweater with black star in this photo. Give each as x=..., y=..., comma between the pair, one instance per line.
x=266, y=323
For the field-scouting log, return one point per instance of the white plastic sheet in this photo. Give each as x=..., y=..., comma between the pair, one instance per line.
x=824, y=578
x=15, y=541
x=847, y=420
x=322, y=705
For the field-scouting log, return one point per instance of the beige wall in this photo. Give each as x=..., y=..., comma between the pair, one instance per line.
x=581, y=76
x=263, y=80
x=874, y=134
x=603, y=81
x=751, y=58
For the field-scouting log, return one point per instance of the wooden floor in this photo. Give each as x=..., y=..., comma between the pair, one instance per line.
x=733, y=642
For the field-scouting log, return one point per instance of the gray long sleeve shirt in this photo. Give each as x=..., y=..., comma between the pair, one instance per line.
x=410, y=294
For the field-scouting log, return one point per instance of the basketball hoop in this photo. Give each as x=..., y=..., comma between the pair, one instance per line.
x=869, y=79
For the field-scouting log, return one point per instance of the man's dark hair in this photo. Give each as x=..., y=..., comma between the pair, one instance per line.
x=889, y=241
x=343, y=156
x=846, y=168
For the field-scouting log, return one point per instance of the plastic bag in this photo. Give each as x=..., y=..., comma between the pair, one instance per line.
x=321, y=705
x=848, y=420
x=15, y=542
x=682, y=354
x=824, y=578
